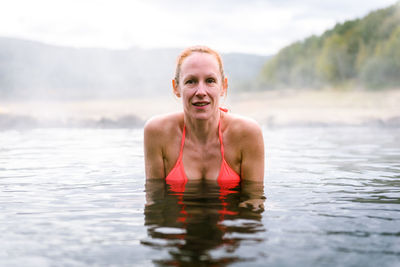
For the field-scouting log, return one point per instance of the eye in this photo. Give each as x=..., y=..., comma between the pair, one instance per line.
x=210, y=80
x=190, y=81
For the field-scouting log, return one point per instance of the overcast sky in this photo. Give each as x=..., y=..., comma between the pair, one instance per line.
x=249, y=26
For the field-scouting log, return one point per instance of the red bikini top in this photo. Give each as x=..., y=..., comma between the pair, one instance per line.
x=227, y=178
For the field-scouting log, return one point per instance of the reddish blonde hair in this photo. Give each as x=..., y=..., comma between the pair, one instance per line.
x=197, y=49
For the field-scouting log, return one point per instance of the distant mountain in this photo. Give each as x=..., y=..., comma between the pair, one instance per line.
x=362, y=52
x=33, y=70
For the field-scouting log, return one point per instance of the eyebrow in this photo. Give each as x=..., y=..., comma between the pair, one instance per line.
x=211, y=74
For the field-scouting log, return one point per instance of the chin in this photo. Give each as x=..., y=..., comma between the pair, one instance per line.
x=202, y=116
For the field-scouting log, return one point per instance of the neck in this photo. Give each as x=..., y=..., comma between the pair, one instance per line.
x=202, y=131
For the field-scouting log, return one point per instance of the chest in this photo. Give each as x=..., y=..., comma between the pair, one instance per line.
x=202, y=162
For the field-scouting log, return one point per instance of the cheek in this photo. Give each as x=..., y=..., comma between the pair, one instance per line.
x=188, y=91
x=217, y=92
x=186, y=95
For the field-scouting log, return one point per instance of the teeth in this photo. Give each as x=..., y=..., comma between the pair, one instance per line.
x=200, y=104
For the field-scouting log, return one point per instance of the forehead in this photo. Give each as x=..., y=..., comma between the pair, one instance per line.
x=200, y=62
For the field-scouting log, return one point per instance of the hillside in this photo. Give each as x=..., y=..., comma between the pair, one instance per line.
x=358, y=53
x=33, y=70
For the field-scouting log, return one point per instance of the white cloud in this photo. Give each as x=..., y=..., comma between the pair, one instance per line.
x=252, y=26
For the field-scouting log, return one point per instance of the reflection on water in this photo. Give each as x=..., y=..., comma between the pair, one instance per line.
x=204, y=224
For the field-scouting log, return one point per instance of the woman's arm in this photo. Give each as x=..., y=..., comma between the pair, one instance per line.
x=155, y=191
x=153, y=156
x=252, y=195
x=252, y=167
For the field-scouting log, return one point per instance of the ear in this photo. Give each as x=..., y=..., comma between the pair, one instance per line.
x=175, y=88
x=224, y=86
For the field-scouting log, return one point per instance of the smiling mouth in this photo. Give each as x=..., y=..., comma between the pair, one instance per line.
x=200, y=104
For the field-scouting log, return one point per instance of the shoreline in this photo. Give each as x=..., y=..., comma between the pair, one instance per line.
x=271, y=108
x=323, y=107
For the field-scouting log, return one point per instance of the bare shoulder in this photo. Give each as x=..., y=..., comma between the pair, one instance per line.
x=245, y=146
x=158, y=132
x=242, y=127
x=162, y=125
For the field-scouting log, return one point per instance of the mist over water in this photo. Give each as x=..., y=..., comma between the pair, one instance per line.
x=51, y=86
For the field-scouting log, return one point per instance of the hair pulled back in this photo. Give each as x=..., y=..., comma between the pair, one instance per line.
x=197, y=49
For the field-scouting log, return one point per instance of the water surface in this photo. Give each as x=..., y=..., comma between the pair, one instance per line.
x=77, y=197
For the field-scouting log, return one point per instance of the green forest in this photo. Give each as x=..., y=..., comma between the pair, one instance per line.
x=357, y=53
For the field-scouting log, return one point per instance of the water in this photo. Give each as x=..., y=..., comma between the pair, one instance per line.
x=77, y=198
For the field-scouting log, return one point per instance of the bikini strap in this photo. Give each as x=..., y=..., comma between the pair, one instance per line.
x=220, y=139
x=182, y=142
x=220, y=132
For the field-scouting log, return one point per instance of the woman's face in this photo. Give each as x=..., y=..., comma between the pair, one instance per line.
x=200, y=85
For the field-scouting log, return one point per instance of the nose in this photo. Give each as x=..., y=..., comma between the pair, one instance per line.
x=201, y=89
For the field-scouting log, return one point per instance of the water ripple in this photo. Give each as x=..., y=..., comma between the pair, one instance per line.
x=76, y=198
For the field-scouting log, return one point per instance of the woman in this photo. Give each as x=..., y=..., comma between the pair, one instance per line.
x=203, y=142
